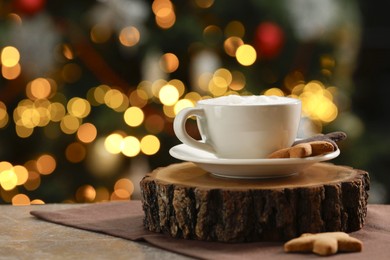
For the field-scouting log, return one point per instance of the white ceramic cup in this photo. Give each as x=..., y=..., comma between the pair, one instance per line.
x=242, y=127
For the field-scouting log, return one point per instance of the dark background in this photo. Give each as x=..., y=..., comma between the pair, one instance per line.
x=371, y=97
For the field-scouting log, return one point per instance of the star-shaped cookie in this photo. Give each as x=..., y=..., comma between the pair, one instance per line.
x=327, y=243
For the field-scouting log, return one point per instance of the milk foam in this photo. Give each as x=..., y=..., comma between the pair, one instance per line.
x=248, y=100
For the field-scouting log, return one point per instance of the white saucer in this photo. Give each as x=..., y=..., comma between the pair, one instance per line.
x=246, y=168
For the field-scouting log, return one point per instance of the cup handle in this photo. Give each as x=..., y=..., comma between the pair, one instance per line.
x=179, y=124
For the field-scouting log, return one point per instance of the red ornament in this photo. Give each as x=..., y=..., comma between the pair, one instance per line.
x=269, y=39
x=29, y=7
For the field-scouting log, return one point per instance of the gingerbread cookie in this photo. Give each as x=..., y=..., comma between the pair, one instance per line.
x=319, y=144
x=321, y=147
x=303, y=150
x=324, y=244
x=300, y=150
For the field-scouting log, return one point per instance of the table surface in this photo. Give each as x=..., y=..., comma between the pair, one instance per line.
x=22, y=236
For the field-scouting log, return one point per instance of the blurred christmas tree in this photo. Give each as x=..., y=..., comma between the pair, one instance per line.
x=89, y=89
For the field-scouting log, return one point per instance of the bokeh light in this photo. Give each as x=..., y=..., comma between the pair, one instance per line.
x=8, y=179
x=138, y=98
x=238, y=81
x=57, y=111
x=20, y=200
x=37, y=202
x=164, y=13
x=69, y=124
x=235, y=29
x=21, y=174
x=102, y=194
x=79, y=107
x=129, y=36
x=87, y=133
x=179, y=85
x=15, y=18
x=113, y=143
x=120, y=194
x=85, y=194
x=246, y=55
x=100, y=33
x=150, y=144
x=212, y=34
x=220, y=82
x=46, y=164
x=67, y=51
x=317, y=101
x=130, y=146
x=169, y=111
x=23, y=132
x=116, y=100
x=125, y=185
x=274, y=92
x=97, y=94
x=134, y=116
x=231, y=45
x=168, y=95
x=181, y=104
x=169, y=62
x=11, y=73
x=10, y=56
x=222, y=77
x=39, y=88
x=204, y=3
x=75, y=152
x=33, y=182
x=4, y=117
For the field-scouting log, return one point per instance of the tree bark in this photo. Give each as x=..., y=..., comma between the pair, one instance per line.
x=185, y=201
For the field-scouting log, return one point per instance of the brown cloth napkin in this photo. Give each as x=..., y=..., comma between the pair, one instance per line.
x=125, y=220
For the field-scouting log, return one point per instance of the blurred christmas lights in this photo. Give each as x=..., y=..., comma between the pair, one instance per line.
x=147, y=107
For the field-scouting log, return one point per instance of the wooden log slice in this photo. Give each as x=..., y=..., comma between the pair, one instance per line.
x=184, y=201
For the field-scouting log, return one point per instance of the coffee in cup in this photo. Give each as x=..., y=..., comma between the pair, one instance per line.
x=242, y=127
